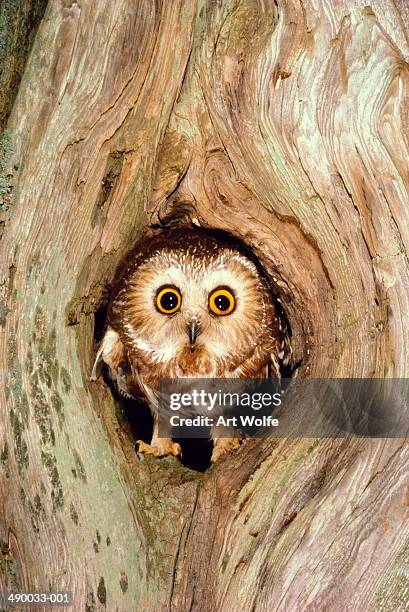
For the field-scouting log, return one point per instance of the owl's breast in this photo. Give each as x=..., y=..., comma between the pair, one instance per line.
x=196, y=363
x=201, y=363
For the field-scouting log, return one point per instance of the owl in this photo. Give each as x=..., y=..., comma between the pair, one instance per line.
x=189, y=304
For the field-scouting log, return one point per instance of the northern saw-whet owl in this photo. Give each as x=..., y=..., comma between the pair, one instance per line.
x=187, y=304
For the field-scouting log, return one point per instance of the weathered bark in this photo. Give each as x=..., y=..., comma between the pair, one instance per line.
x=285, y=123
x=19, y=20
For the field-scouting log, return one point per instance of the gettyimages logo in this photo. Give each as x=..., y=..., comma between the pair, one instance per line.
x=191, y=408
x=210, y=401
x=224, y=409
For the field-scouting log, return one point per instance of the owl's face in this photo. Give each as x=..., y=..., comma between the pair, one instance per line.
x=195, y=305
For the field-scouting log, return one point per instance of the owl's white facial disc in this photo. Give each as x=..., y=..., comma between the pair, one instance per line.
x=195, y=275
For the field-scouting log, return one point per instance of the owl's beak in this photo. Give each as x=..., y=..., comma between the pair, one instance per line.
x=193, y=330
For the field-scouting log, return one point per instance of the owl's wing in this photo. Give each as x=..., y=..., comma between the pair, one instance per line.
x=281, y=358
x=112, y=353
x=98, y=364
x=272, y=369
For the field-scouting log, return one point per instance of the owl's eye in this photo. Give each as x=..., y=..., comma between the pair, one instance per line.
x=221, y=301
x=168, y=300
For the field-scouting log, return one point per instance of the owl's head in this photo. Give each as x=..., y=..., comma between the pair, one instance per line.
x=195, y=303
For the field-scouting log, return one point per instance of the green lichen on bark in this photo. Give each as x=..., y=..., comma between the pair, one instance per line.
x=123, y=582
x=392, y=594
x=41, y=410
x=6, y=174
x=4, y=458
x=57, y=495
x=66, y=380
x=19, y=412
x=8, y=568
x=102, y=592
x=3, y=313
x=58, y=405
x=23, y=496
x=79, y=467
x=73, y=514
x=42, y=366
x=19, y=20
x=46, y=346
x=4, y=309
x=37, y=513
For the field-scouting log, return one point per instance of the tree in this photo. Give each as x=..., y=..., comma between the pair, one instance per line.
x=286, y=124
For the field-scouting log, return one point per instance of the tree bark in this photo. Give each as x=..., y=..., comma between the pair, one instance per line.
x=282, y=122
x=18, y=24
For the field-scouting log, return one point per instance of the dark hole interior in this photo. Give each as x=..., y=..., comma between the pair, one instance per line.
x=135, y=416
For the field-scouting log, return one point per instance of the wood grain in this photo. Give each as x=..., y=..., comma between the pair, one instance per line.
x=286, y=123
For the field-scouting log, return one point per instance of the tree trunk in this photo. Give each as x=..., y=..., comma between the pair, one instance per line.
x=285, y=123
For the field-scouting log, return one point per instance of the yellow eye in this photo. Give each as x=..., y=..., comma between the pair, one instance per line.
x=168, y=300
x=221, y=301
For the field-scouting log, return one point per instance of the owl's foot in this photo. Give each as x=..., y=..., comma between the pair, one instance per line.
x=223, y=446
x=161, y=447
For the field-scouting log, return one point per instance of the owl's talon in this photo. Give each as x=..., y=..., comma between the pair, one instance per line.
x=223, y=446
x=161, y=448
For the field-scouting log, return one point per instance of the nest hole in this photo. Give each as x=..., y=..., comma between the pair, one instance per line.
x=135, y=417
